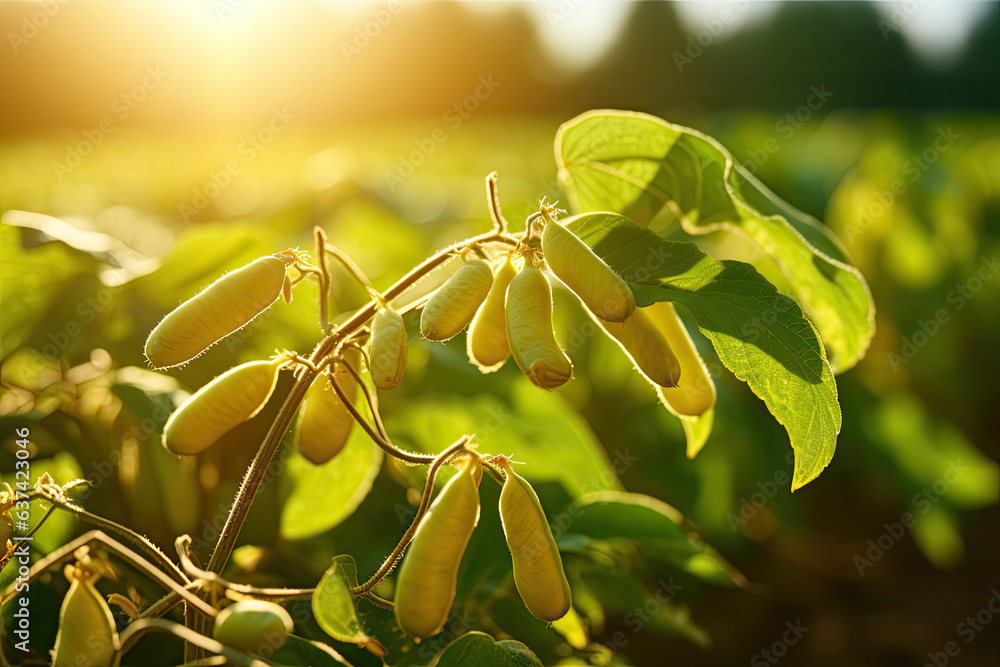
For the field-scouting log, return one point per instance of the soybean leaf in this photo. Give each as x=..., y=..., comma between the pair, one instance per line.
x=537, y=428
x=760, y=334
x=657, y=173
x=321, y=496
x=656, y=527
x=478, y=648
x=334, y=608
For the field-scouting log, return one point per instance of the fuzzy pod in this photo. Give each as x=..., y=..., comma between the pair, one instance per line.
x=695, y=391
x=647, y=347
x=387, y=349
x=255, y=626
x=486, y=343
x=223, y=307
x=425, y=587
x=219, y=406
x=324, y=422
x=529, y=330
x=538, y=568
x=601, y=289
x=87, y=634
x=453, y=306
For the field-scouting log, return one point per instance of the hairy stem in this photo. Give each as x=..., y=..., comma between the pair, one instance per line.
x=324, y=280
x=140, y=627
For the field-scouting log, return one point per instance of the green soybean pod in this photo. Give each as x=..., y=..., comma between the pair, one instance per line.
x=529, y=330
x=538, y=569
x=324, y=423
x=221, y=405
x=647, y=347
x=695, y=391
x=223, y=307
x=425, y=587
x=87, y=634
x=601, y=289
x=255, y=626
x=387, y=349
x=455, y=303
x=486, y=343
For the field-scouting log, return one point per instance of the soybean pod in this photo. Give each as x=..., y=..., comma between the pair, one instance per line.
x=647, y=347
x=387, y=348
x=425, y=587
x=486, y=343
x=87, y=634
x=223, y=307
x=455, y=303
x=253, y=625
x=695, y=391
x=221, y=405
x=324, y=423
x=529, y=330
x=538, y=568
x=601, y=289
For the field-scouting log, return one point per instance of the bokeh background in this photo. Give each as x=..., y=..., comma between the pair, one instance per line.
x=148, y=147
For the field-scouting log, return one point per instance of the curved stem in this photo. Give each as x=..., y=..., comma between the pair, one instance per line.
x=135, y=630
x=425, y=501
x=138, y=540
x=493, y=197
x=324, y=280
x=183, y=544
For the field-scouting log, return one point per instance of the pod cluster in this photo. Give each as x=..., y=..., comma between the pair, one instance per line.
x=509, y=313
x=427, y=579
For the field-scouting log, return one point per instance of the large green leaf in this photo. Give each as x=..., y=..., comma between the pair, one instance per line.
x=657, y=173
x=479, y=649
x=760, y=334
x=334, y=608
x=321, y=496
x=656, y=527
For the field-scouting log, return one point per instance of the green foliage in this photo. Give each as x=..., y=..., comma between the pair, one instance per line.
x=758, y=333
x=659, y=174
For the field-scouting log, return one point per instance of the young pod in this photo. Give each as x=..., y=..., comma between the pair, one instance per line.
x=254, y=626
x=223, y=307
x=647, y=347
x=219, y=406
x=486, y=343
x=387, y=349
x=425, y=587
x=695, y=391
x=324, y=422
x=538, y=568
x=598, y=286
x=452, y=307
x=529, y=330
x=87, y=634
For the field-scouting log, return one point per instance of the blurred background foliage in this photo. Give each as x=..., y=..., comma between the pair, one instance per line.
x=93, y=257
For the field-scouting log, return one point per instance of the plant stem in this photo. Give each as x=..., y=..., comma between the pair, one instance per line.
x=138, y=628
x=378, y=436
x=140, y=541
x=324, y=280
